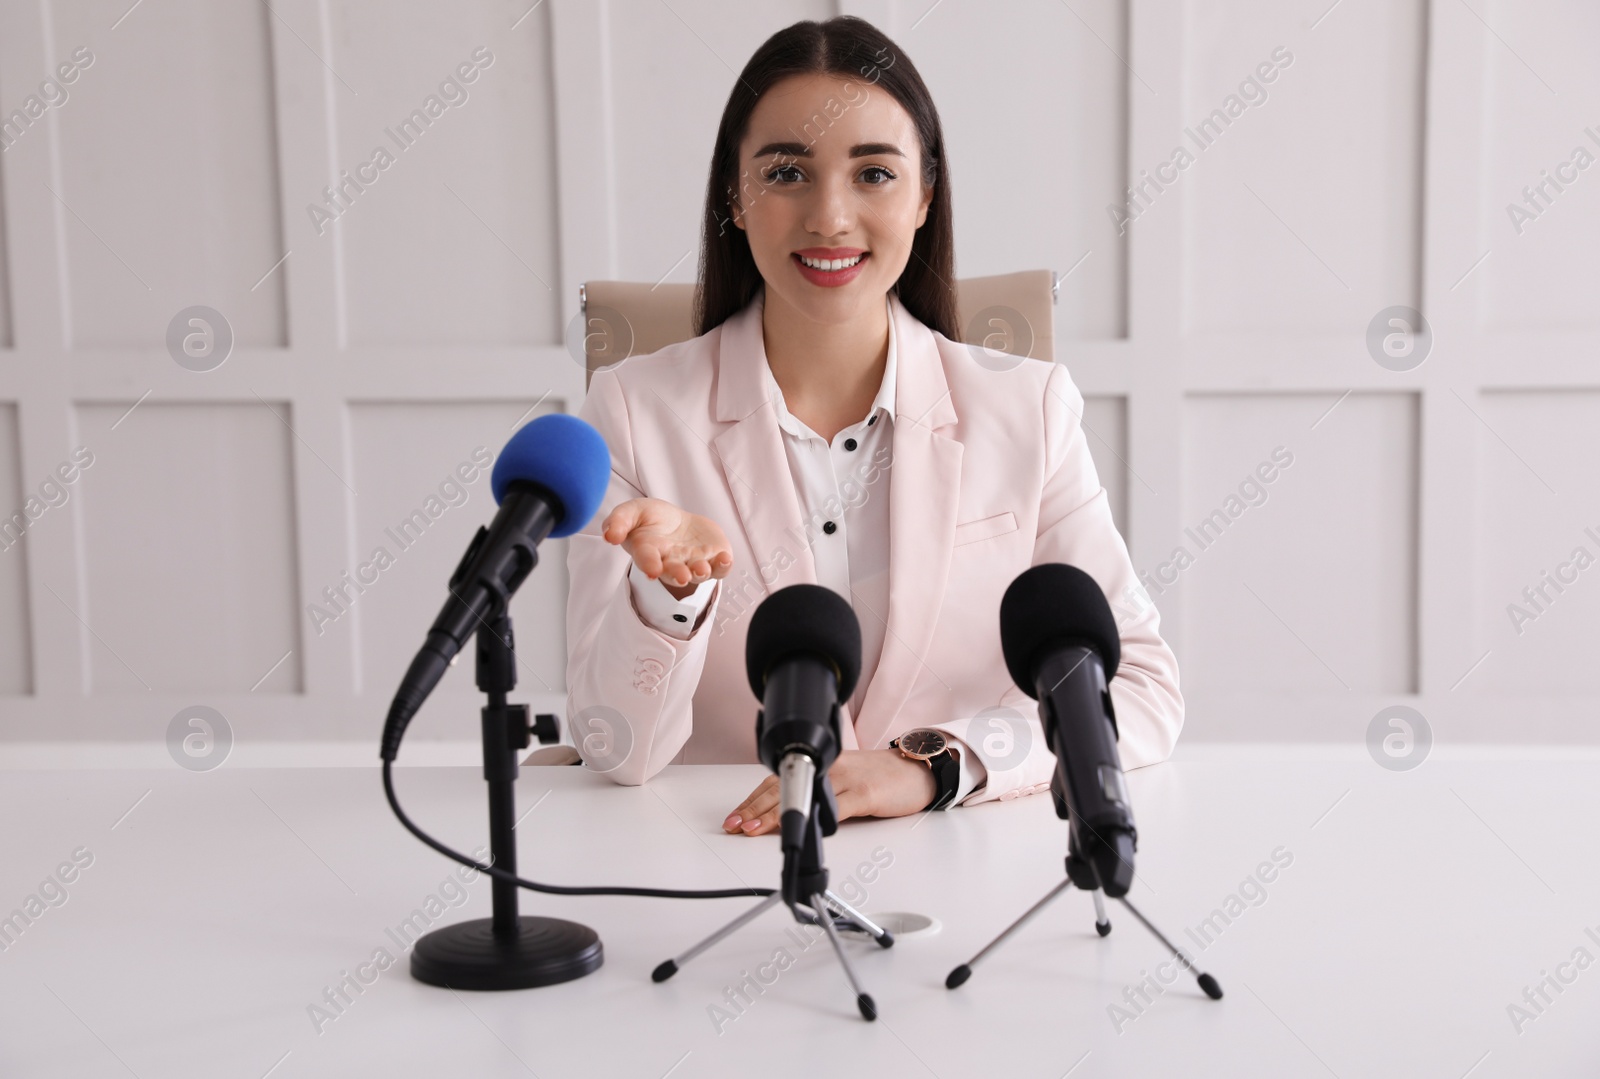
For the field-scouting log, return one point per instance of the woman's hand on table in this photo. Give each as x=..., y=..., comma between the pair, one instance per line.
x=866, y=783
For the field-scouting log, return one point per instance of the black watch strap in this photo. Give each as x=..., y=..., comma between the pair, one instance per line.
x=947, y=773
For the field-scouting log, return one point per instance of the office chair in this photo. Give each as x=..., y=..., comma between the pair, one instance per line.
x=1007, y=313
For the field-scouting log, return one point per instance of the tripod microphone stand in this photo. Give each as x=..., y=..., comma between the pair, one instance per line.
x=805, y=890
x=506, y=951
x=1081, y=872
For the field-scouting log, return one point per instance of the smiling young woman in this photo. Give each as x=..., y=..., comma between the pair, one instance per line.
x=827, y=426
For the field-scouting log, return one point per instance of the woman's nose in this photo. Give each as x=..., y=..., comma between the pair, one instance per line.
x=832, y=210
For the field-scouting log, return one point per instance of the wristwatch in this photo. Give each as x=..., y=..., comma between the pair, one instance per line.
x=933, y=749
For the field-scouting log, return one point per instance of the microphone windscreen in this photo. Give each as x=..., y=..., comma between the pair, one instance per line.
x=566, y=457
x=803, y=619
x=1050, y=605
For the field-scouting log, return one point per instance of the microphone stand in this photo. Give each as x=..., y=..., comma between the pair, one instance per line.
x=805, y=890
x=506, y=951
x=1082, y=873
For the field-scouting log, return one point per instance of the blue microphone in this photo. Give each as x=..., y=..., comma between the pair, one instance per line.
x=549, y=481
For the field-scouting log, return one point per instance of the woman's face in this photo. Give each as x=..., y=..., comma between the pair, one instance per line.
x=830, y=168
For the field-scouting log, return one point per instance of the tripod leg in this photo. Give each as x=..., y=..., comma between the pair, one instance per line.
x=854, y=919
x=869, y=1010
x=670, y=967
x=1102, y=924
x=964, y=971
x=1207, y=982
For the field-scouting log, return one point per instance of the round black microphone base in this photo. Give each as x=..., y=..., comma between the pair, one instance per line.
x=543, y=951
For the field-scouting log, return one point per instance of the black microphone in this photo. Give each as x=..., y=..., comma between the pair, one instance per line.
x=1062, y=646
x=803, y=657
x=549, y=480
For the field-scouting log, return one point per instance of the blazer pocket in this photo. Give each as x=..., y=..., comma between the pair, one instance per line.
x=985, y=528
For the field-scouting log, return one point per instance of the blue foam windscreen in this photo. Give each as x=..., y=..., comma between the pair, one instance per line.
x=564, y=455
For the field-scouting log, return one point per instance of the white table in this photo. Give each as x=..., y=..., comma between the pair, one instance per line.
x=1417, y=907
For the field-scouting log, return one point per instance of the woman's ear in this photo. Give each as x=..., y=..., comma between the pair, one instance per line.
x=922, y=211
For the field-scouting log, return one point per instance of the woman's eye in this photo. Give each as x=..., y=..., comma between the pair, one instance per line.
x=775, y=174
x=873, y=175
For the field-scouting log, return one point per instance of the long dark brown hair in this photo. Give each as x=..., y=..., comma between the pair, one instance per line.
x=854, y=48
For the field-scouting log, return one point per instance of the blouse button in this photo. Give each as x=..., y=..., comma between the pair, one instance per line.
x=849, y=443
x=830, y=528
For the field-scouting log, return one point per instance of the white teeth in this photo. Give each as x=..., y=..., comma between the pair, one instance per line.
x=830, y=264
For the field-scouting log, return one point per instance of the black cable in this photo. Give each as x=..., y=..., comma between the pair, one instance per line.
x=552, y=889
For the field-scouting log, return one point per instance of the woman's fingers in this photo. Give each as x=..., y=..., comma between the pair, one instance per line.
x=758, y=813
x=852, y=775
x=667, y=543
x=763, y=798
x=621, y=521
x=675, y=572
x=866, y=783
x=648, y=556
x=686, y=568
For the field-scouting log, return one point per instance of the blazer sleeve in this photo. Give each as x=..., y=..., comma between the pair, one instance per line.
x=1075, y=527
x=630, y=688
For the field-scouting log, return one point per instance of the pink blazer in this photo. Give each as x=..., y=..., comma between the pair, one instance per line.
x=990, y=474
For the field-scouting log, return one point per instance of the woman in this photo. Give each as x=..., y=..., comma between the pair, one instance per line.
x=826, y=426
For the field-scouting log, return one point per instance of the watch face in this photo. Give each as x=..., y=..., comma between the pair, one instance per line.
x=923, y=743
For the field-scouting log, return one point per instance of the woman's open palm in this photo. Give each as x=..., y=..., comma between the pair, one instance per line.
x=679, y=547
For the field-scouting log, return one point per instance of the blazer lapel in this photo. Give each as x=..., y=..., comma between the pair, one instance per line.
x=752, y=458
x=924, y=492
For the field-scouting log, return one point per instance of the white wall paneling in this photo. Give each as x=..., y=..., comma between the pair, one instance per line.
x=1370, y=164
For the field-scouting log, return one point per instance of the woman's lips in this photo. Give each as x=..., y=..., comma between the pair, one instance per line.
x=831, y=278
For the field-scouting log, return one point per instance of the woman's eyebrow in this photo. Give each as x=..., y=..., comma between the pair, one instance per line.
x=800, y=149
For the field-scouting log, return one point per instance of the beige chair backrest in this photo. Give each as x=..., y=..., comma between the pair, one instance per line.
x=1012, y=312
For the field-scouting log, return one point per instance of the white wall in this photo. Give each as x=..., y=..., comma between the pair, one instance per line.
x=373, y=358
